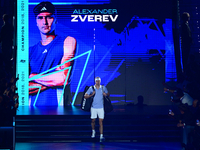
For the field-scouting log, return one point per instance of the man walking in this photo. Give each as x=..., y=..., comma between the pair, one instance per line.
x=97, y=108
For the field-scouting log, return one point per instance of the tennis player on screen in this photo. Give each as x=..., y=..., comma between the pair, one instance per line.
x=52, y=50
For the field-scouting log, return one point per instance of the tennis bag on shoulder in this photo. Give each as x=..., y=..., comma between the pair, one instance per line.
x=107, y=104
x=86, y=103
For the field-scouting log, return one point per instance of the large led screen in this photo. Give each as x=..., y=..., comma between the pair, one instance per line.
x=63, y=45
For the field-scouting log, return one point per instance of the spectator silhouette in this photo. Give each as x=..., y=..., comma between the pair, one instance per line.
x=183, y=97
x=187, y=122
x=140, y=99
x=186, y=39
x=6, y=39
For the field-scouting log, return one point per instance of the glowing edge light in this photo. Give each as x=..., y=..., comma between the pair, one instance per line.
x=65, y=83
x=74, y=98
x=37, y=93
x=22, y=51
x=114, y=72
x=73, y=3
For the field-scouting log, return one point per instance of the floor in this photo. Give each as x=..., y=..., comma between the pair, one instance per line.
x=98, y=146
x=75, y=110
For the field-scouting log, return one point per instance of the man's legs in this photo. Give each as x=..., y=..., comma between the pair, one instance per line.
x=101, y=126
x=93, y=117
x=93, y=124
x=101, y=117
x=100, y=113
x=101, y=130
x=93, y=128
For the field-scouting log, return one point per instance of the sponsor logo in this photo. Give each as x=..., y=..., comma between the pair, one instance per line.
x=43, y=9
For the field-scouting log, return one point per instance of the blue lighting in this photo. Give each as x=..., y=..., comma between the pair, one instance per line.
x=126, y=51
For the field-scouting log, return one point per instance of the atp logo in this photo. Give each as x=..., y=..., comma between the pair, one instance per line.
x=22, y=61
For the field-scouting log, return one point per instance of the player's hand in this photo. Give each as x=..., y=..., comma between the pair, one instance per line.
x=33, y=90
x=104, y=94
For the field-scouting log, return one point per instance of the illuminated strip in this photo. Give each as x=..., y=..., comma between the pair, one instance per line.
x=112, y=95
x=74, y=98
x=22, y=50
x=114, y=72
x=71, y=3
x=65, y=83
x=35, y=3
x=170, y=67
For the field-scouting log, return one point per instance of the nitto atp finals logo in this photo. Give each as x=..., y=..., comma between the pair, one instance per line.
x=94, y=15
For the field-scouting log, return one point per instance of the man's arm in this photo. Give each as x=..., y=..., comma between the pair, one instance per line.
x=58, y=79
x=88, y=93
x=106, y=94
x=86, y=96
x=34, y=90
x=105, y=91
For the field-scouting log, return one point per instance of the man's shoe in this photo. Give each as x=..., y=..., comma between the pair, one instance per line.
x=102, y=139
x=93, y=135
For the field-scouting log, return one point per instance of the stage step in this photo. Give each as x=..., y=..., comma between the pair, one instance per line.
x=74, y=128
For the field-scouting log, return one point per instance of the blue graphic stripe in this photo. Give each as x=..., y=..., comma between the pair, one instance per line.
x=39, y=87
x=65, y=84
x=110, y=78
x=66, y=3
x=74, y=98
x=72, y=3
x=114, y=95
